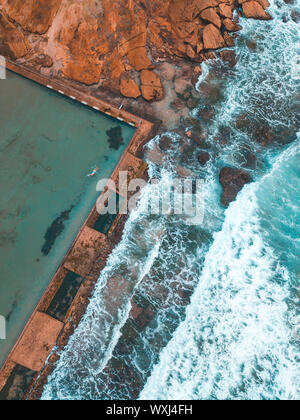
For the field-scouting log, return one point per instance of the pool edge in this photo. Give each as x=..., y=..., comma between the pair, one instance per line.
x=145, y=130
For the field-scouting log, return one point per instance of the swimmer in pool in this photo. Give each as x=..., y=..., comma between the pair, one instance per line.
x=94, y=171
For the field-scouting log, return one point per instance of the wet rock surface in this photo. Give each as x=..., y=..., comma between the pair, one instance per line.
x=232, y=181
x=229, y=57
x=203, y=158
x=251, y=44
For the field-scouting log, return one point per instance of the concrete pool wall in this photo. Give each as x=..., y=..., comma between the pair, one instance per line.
x=66, y=298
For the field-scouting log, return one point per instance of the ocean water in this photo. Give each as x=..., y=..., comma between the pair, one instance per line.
x=224, y=293
x=48, y=145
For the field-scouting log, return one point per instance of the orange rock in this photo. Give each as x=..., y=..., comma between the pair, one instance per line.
x=87, y=72
x=225, y=10
x=198, y=70
x=82, y=62
x=128, y=87
x=179, y=48
x=34, y=16
x=211, y=16
x=93, y=39
x=200, y=47
x=13, y=43
x=212, y=38
x=189, y=134
x=205, y=4
x=157, y=7
x=135, y=42
x=187, y=10
x=138, y=58
x=184, y=30
x=116, y=65
x=151, y=86
x=190, y=52
x=157, y=31
x=182, y=10
x=253, y=9
x=231, y=26
x=42, y=60
x=264, y=3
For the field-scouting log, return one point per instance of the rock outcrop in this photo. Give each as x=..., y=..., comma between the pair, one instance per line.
x=12, y=41
x=212, y=38
x=203, y=158
x=210, y=15
x=225, y=10
x=253, y=9
x=40, y=61
x=151, y=86
x=229, y=57
x=101, y=42
x=34, y=16
x=128, y=86
x=231, y=26
x=232, y=181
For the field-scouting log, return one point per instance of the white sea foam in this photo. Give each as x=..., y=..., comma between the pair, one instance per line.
x=235, y=341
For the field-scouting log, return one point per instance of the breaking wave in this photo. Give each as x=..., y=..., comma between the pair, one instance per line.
x=223, y=295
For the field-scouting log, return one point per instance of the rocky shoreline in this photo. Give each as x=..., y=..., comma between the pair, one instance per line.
x=145, y=56
x=120, y=46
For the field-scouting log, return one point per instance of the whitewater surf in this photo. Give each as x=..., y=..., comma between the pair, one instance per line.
x=224, y=294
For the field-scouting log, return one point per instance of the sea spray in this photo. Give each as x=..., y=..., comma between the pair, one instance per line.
x=108, y=357
x=236, y=342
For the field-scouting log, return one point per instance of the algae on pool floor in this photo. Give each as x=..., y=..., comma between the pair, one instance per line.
x=48, y=145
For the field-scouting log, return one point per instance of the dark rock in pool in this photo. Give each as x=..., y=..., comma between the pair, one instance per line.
x=232, y=181
x=115, y=137
x=203, y=158
x=53, y=231
x=166, y=143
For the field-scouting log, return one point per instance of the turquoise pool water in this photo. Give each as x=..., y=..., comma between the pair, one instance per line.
x=48, y=144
